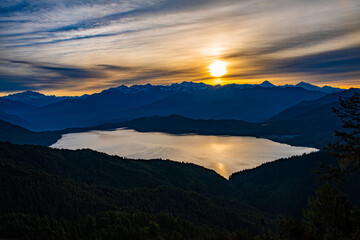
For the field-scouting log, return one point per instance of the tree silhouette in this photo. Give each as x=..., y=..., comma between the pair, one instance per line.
x=330, y=216
x=347, y=148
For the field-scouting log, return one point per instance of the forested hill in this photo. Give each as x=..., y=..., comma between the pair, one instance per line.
x=84, y=194
x=292, y=132
x=284, y=186
x=99, y=168
x=69, y=192
x=20, y=135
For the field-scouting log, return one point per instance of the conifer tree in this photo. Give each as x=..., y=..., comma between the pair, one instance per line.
x=347, y=148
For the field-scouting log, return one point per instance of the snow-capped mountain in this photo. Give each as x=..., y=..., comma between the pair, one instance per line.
x=190, y=87
x=39, y=99
x=35, y=98
x=248, y=102
x=324, y=89
x=175, y=87
x=266, y=84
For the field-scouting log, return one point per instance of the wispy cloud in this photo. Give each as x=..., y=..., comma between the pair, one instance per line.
x=88, y=45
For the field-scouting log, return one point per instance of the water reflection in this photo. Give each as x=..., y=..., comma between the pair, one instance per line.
x=224, y=154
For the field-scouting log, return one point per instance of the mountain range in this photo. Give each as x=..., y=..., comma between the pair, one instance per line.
x=35, y=99
x=247, y=102
x=310, y=123
x=84, y=194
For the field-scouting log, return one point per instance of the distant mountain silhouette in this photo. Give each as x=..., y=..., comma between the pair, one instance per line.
x=324, y=89
x=16, y=120
x=13, y=107
x=309, y=123
x=322, y=104
x=35, y=98
x=266, y=84
x=253, y=103
x=315, y=119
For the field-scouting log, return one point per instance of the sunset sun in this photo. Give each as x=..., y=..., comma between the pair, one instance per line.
x=218, y=69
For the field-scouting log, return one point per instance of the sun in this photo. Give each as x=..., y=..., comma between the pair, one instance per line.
x=218, y=69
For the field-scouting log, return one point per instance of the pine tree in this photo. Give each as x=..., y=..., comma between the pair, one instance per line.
x=347, y=148
x=330, y=216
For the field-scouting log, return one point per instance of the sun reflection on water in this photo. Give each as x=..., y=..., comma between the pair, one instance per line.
x=224, y=154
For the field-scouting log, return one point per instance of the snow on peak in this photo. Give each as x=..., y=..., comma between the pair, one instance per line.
x=266, y=84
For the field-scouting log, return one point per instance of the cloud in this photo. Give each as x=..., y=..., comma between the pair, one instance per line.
x=62, y=71
x=294, y=42
x=59, y=77
x=14, y=8
x=90, y=44
x=337, y=61
x=114, y=68
x=16, y=83
x=38, y=76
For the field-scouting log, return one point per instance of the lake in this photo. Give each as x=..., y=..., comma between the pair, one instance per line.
x=224, y=154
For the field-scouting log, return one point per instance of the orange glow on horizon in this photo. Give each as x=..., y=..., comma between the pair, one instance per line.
x=210, y=81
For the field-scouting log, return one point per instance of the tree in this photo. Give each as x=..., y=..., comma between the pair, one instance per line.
x=289, y=228
x=347, y=148
x=330, y=216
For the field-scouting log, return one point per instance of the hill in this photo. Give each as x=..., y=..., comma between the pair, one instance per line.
x=63, y=189
x=280, y=131
x=19, y=135
x=16, y=120
x=284, y=186
x=305, y=107
x=67, y=194
x=290, y=132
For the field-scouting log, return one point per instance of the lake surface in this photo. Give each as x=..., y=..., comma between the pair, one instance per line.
x=224, y=154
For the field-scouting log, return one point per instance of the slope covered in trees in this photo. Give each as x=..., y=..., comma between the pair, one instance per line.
x=85, y=194
x=295, y=133
x=19, y=135
x=57, y=189
x=284, y=186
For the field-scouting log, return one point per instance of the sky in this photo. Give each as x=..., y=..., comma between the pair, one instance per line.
x=68, y=47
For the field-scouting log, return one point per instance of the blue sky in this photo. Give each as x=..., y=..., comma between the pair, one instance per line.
x=76, y=47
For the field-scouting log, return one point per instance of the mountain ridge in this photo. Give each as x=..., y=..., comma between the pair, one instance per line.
x=35, y=99
x=192, y=100
x=309, y=123
x=183, y=86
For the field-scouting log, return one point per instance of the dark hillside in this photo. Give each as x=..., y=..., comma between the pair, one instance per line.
x=63, y=183
x=284, y=186
x=20, y=135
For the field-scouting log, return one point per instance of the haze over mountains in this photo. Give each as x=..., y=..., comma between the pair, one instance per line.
x=252, y=103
